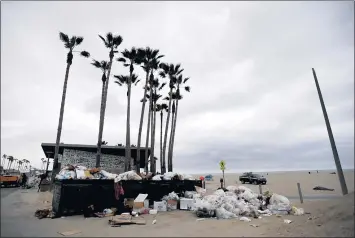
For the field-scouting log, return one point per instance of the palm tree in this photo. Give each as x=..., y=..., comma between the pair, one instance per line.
x=176, y=96
x=69, y=44
x=129, y=59
x=150, y=59
x=10, y=160
x=160, y=108
x=103, y=66
x=19, y=165
x=173, y=71
x=128, y=80
x=4, y=157
x=154, y=100
x=111, y=42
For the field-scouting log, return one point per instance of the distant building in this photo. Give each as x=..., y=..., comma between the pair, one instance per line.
x=112, y=157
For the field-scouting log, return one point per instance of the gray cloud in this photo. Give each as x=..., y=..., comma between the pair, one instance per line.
x=253, y=101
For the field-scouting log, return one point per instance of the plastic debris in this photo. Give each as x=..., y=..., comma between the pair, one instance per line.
x=171, y=196
x=287, y=221
x=245, y=219
x=154, y=221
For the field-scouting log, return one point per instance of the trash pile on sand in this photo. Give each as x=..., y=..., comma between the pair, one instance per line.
x=242, y=201
x=81, y=172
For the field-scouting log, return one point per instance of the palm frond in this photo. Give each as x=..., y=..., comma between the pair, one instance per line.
x=78, y=40
x=185, y=80
x=96, y=63
x=126, y=65
x=134, y=78
x=118, y=82
x=72, y=41
x=188, y=88
x=166, y=98
x=63, y=37
x=137, y=82
x=117, y=40
x=162, y=74
x=121, y=60
x=103, y=39
x=160, y=56
x=109, y=38
x=85, y=54
x=163, y=84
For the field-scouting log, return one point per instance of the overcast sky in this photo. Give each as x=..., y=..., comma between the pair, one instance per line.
x=253, y=100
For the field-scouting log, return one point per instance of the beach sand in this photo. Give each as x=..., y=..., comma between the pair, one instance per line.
x=285, y=183
x=332, y=217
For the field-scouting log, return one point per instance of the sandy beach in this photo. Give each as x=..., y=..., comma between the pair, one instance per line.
x=331, y=217
x=285, y=183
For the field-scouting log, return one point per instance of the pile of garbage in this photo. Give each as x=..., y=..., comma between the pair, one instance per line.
x=173, y=176
x=241, y=201
x=81, y=172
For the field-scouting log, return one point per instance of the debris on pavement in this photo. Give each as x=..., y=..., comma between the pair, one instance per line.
x=43, y=213
x=245, y=219
x=253, y=225
x=154, y=221
x=287, y=221
x=69, y=233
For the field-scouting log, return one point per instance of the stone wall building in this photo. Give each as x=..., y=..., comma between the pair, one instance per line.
x=112, y=157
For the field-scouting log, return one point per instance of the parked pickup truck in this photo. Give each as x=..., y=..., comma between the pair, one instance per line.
x=252, y=178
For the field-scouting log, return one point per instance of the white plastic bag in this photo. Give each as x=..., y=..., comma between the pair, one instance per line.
x=80, y=174
x=157, y=178
x=224, y=214
x=277, y=199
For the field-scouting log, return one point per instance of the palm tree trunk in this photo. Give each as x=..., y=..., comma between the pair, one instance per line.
x=173, y=136
x=152, y=143
x=166, y=130
x=150, y=128
x=162, y=164
x=147, y=139
x=141, y=125
x=102, y=117
x=128, y=127
x=152, y=140
x=59, y=130
x=171, y=133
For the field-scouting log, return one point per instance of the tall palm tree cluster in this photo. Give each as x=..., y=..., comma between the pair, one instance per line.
x=9, y=162
x=134, y=59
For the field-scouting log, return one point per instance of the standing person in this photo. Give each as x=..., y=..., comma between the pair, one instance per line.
x=42, y=177
x=24, y=180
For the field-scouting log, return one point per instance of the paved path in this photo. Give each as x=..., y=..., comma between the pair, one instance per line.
x=7, y=191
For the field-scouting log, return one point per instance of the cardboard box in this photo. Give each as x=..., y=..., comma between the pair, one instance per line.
x=129, y=202
x=160, y=206
x=186, y=203
x=139, y=201
x=172, y=205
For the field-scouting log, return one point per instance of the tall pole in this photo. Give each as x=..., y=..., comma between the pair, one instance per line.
x=344, y=189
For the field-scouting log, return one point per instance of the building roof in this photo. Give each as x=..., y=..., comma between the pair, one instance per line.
x=48, y=149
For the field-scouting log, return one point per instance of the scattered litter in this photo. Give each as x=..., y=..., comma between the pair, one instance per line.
x=126, y=220
x=154, y=221
x=245, y=219
x=153, y=212
x=200, y=219
x=287, y=221
x=69, y=233
x=43, y=213
x=320, y=188
x=253, y=225
x=297, y=211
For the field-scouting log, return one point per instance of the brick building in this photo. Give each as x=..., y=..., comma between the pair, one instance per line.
x=112, y=157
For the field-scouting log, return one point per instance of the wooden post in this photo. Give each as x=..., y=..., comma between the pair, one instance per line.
x=300, y=192
x=260, y=189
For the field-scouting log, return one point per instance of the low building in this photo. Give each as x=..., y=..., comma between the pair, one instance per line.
x=112, y=157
